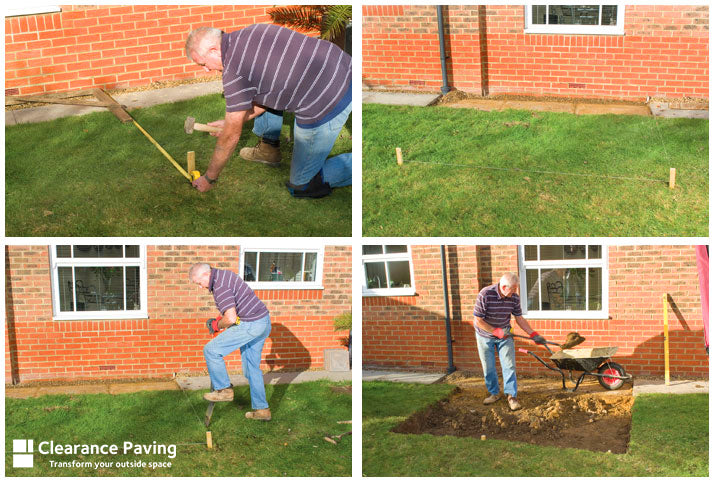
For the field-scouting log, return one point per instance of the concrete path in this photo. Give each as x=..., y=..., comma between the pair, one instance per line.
x=132, y=100
x=400, y=376
x=398, y=98
x=676, y=387
x=186, y=383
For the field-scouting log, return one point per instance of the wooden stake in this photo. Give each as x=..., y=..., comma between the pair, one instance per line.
x=672, y=178
x=190, y=161
x=398, y=151
x=209, y=442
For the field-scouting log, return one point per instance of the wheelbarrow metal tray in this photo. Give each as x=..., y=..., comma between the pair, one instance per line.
x=586, y=359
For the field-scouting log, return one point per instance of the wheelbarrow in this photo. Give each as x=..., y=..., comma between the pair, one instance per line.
x=591, y=361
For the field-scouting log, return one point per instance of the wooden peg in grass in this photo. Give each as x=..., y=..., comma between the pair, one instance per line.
x=190, y=161
x=209, y=442
x=398, y=151
x=671, y=184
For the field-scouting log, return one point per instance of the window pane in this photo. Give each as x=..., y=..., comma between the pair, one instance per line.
x=395, y=249
x=375, y=275
x=574, y=289
x=573, y=14
x=64, y=277
x=280, y=266
x=594, y=289
x=93, y=251
x=532, y=287
x=64, y=251
x=131, y=251
x=372, y=249
x=311, y=264
x=551, y=253
x=249, y=266
x=538, y=14
x=609, y=14
x=133, y=288
x=399, y=274
x=530, y=253
x=594, y=252
x=100, y=288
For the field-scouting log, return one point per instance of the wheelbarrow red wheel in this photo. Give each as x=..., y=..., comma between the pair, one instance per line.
x=611, y=383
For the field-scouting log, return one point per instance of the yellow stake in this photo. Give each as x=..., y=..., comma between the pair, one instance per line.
x=161, y=149
x=665, y=332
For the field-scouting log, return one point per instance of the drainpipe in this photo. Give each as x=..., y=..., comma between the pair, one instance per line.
x=447, y=324
x=442, y=54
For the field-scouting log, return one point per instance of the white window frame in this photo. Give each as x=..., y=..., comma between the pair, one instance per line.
x=285, y=285
x=602, y=263
x=617, y=29
x=371, y=258
x=31, y=10
x=56, y=263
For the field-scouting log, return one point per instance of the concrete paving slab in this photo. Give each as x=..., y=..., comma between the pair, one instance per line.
x=402, y=377
x=398, y=98
x=132, y=100
x=676, y=387
x=621, y=109
x=535, y=105
x=662, y=109
x=271, y=378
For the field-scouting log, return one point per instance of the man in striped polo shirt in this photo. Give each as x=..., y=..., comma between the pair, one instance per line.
x=492, y=323
x=235, y=300
x=269, y=69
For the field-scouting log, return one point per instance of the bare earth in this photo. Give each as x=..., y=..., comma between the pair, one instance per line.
x=591, y=418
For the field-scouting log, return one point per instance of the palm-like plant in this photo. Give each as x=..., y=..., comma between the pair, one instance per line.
x=329, y=20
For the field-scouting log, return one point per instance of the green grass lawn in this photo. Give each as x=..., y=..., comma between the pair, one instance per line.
x=669, y=437
x=466, y=199
x=290, y=445
x=92, y=175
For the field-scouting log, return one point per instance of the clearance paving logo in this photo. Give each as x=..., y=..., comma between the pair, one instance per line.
x=23, y=454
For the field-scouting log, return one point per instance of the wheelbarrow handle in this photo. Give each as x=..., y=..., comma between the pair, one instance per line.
x=529, y=338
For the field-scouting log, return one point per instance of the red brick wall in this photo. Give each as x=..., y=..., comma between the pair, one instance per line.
x=110, y=46
x=172, y=339
x=664, y=52
x=410, y=333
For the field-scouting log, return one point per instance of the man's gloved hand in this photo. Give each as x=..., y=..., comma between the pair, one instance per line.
x=500, y=333
x=538, y=339
x=212, y=325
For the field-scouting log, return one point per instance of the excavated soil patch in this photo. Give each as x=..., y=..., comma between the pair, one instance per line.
x=592, y=420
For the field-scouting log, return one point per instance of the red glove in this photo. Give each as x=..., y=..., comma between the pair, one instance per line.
x=499, y=333
x=538, y=339
x=212, y=324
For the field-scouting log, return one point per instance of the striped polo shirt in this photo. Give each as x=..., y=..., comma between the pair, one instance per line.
x=282, y=69
x=230, y=291
x=495, y=309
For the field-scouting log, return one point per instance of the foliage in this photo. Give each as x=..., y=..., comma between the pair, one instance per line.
x=329, y=20
x=344, y=321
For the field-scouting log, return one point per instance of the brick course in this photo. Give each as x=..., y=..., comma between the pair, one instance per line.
x=110, y=46
x=412, y=334
x=172, y=339
x=664, y=52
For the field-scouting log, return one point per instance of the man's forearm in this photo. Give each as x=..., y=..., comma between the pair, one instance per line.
x=225, y=145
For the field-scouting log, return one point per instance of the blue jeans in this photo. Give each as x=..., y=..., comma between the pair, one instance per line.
x=507, y=359
x=311, y=149
x=249, y=336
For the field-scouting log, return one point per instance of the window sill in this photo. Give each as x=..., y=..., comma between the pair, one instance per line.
x=101, y=316
x=277, y=285
x=390, y=292
x=567, y=315
x=573, y=31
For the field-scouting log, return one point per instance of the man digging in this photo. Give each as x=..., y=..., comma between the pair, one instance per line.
x=235, y=300
x=492, y=323
x=269, y=69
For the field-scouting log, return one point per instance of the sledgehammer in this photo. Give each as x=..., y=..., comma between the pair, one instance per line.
x=190, y=125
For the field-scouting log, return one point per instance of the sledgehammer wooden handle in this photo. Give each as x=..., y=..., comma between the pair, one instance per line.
x=205, y=128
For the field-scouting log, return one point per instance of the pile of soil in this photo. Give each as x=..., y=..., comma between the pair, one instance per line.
x=589, y=419
x=455, y=96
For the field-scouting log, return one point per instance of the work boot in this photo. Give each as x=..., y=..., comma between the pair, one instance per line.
x=223, y=395
x=491, y=399
x=263, y=153
x=315, y=188
x=514, y=405
x=261, y=414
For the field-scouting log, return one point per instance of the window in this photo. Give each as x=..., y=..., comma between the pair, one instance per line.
x=564, y=281
x=387, y=270
x=31, y=10
x=98, y=282
x=574, y=19
x=277, y=268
